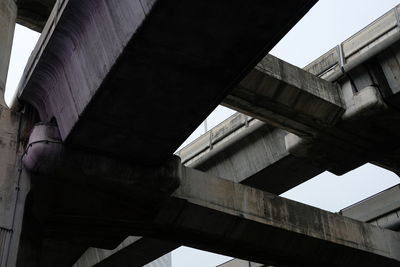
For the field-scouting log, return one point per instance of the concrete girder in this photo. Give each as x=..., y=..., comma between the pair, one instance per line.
x=381, y=210
x=34, y=13
x=344, y=143
x=205, y=212
x=56, y=171
x=355, y=140
x=224, y=217
x=102, y=77
x=241, y=221
x=250, y=152
x=288, y=97
x=331, y=126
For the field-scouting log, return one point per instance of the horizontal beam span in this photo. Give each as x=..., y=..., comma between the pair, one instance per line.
x=248, y=151
x=229, y=218
x=287, y=97
x=204, y=211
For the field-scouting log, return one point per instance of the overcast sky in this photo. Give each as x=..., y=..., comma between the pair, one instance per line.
x=326, y=25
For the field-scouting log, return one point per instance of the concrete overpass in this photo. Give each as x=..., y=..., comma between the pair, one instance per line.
x=309, y=126
x=381, y=209
x=122, y=188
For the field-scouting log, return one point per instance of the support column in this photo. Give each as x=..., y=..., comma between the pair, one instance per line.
x=8, y=14
x=14, y=184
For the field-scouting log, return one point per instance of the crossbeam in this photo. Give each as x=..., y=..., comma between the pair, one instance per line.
x=244, y=222
x=251, y=152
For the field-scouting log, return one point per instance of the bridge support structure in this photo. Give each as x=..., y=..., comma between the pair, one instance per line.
x=14, y=183
x=8, y=16
x=185, y=206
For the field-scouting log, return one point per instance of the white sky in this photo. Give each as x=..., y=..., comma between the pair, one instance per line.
x=327, y=24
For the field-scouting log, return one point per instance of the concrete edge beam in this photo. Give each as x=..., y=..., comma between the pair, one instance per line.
x=254, y=155
x=287, y=97
x=269, y=229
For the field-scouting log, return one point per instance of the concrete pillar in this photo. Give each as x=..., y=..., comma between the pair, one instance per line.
x=8, y=14
x=14, y=184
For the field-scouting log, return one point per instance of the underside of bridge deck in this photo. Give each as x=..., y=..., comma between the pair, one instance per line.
x=206, y=212
x=113, y=71
x=119, y=85
x=34, y=13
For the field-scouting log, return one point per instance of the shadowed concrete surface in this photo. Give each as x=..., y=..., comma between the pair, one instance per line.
x=248, y=151
x=110, y=66
x=381, y=210
x=336, y=128
x=287, y=96
x=205, y=212
x=79, y=66
x=34, y=13
x=14, y=182
x=261, y=214
x=119, y=84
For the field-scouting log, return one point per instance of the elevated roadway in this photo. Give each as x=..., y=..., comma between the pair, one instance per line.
x=92, y=96
x=310, y=126
x=102, y=68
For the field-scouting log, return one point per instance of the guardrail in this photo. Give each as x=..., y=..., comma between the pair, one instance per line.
x=360, y=47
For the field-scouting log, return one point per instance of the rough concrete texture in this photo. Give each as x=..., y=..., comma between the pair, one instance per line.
x=251, y=152
x=346, y=138
x=148, y=73
x=287, y=96
x=57, y=170
x=241, y=221
x=382, y=209
x=205, y=212
x=34, y=13
x=8, y=13
x=14, y=184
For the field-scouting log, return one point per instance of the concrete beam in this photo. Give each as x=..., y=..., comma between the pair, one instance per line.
x=287, y=97
x=132, y=252
x=225, y=217
x=205, y=212
x=8, y=14
x=178, y=56
x=34, y=13
x=251, y=152
x=375, y=207
x=331, y=126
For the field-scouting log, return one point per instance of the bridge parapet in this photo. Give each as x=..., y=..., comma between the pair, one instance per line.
x=368, y=42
